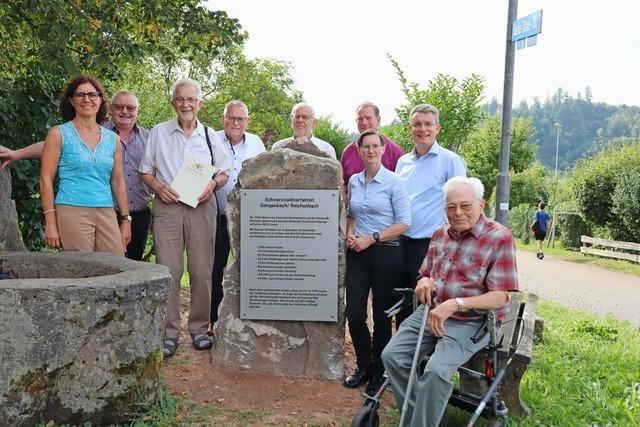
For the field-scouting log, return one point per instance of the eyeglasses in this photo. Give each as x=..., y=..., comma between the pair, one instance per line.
x=420, y=124
x=301, y=116
x=236, y=119
x=465, y=207
x=81, y=95
x=189, y=100
x=120, y=107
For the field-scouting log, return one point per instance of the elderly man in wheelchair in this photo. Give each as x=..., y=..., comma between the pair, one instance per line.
x=470, y=266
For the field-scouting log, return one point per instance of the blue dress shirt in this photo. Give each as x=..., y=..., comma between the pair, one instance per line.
x=424, y=177
x=382, y=202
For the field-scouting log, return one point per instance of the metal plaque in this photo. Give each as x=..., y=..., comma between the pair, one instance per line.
x=289, y=254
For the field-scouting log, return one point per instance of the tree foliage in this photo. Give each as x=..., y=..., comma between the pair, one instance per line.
x=331, y=132
x=530, y=186
x=626, y=205
x=457, y=101
x=586, y=127
x=52, y=40
x=264, y=85
x=482, y=148
x=605, y=188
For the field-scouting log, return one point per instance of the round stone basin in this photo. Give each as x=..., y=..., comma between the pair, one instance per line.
x=81, y=336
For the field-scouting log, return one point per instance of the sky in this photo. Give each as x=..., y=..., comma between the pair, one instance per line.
x=338, y=49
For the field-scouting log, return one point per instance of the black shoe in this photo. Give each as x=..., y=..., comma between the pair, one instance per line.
x=541, y=255
x=358, y=377
x=374, y=384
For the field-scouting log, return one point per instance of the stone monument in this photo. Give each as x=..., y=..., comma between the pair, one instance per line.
x=297, y=348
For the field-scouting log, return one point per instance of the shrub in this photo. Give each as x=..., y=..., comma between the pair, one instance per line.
x=520, y=218
x=594, y=182
x=626, y=206
x=570, y=227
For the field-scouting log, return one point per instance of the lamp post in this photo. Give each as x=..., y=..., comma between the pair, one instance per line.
x=557, y=144
x=555, y=198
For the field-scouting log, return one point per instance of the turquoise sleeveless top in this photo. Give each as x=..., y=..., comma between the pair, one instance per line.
x=84, y=176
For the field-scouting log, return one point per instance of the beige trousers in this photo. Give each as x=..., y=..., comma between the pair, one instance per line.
x=89, y=229
x=177, y=227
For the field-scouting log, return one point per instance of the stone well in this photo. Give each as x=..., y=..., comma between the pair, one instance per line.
x=80, y=336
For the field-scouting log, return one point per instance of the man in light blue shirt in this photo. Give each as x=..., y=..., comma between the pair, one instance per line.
x=239, y=145
x=425, y=170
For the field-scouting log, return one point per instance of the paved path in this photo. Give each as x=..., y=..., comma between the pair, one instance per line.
x=590, y=288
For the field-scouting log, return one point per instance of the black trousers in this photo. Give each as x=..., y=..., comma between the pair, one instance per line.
x=414, y=250
x=377, y=268
x=222, y=249
x=140, y=221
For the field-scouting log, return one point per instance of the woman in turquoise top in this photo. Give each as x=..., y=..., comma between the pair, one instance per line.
x=86, y=158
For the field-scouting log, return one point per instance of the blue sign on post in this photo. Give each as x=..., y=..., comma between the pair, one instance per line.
x=527, y=26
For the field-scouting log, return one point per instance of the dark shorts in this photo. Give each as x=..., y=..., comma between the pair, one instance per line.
x=540, y=235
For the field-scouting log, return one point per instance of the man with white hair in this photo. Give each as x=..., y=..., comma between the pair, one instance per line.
x=303, y=121
x=176, y=226
x=470, y=264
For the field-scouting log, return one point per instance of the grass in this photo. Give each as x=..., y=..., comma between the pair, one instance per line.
x=564, y=254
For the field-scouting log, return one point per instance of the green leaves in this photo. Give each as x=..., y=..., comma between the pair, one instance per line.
x=45, y=42
x=457, y=101
x=481, y=150
x=607, y=190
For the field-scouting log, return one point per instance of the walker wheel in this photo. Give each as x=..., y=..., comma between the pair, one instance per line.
x=367, y=416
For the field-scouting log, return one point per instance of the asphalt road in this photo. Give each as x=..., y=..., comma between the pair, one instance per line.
x=586, y=287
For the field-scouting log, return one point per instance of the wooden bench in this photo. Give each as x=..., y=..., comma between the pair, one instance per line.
x=591, y=250
x=516, y=335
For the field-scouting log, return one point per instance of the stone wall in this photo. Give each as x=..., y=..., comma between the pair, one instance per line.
x=298, y=348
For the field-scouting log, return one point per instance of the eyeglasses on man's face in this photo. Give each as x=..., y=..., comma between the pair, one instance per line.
x=302, y=116
x=190, y=100
x=419, y=124
x=465, y=207
x=121, y=107
x=91, y=95
x=236, y=119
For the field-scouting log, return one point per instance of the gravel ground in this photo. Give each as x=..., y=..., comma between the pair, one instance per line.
x=586, y=287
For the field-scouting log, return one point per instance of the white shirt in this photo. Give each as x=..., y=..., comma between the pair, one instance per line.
x=250, y=146
x=324, y=146
x=168, y=144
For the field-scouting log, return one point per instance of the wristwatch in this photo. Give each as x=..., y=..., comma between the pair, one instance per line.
x=460, y=303
x=125, y=218
x=376, y=237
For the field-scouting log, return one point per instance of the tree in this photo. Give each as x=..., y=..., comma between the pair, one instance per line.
x=605, y=188
x=530, y=186
x=457, y=101
x=331, y=132
x=265, y=85
x=50, y=41
x=482, y=148
x=626, y=206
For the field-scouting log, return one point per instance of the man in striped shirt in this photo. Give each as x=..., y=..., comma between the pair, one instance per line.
x=470, y=265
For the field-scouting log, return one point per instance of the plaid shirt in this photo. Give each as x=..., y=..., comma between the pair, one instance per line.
x=138, y=193
x=480, y=260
